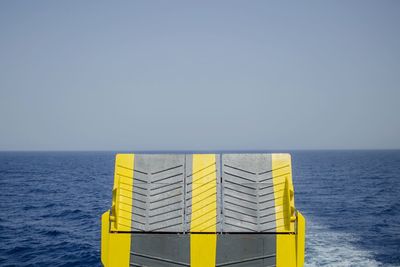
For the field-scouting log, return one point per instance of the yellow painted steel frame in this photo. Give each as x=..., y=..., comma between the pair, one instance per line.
x=115, y=246
x=289, y=241
x=116, y=225
x=204, y=211
x=300, y=239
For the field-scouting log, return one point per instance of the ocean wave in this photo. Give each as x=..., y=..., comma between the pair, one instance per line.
x=326, y=247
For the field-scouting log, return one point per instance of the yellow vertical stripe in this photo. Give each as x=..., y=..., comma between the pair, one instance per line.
x=120, y=243
x=286, y=250
x=283, y=191
x=283, y=194
x=203, y=250
x=204, y=211
x=105, y=237
x=123, y=181
x=300, y=239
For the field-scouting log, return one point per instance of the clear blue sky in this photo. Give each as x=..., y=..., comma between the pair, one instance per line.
x=205, y=75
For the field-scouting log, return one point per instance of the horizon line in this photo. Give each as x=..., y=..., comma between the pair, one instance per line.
x=151, y=151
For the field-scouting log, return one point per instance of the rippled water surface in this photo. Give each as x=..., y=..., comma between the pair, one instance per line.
x=51, y=203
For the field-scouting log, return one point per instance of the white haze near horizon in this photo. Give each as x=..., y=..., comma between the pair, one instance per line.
x=177, y=75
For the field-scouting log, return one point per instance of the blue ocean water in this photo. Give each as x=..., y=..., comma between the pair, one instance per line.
x=51, y=203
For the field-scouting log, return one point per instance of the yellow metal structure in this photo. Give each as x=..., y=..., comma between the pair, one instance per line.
x=284, y=192
x=115, y=236
x=284, y=210
x=204, y=211
x=203, y=242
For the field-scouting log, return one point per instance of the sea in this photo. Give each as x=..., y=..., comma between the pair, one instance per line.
x=51, y=203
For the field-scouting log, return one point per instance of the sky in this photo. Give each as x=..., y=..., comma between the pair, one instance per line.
x=199, y=75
